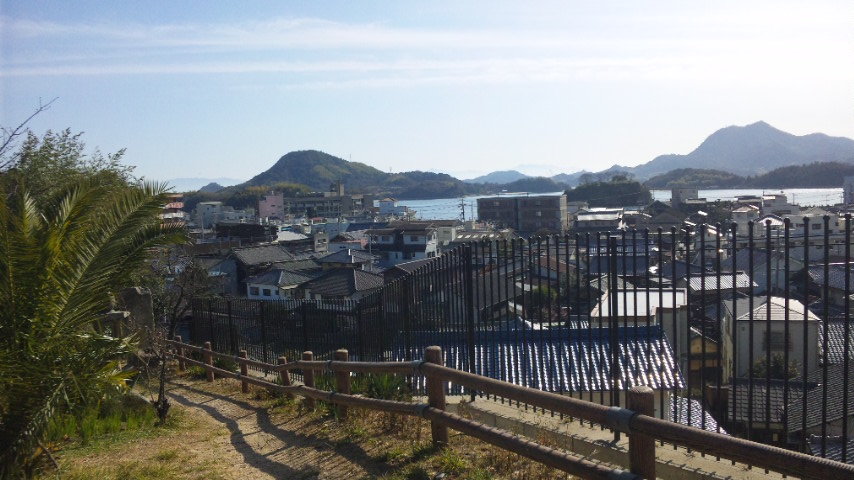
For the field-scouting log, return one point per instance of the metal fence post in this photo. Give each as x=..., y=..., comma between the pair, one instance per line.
x=613, y=322
x=263, y=331
x=468, y=272
x=642, y=447
x=436, y=396
x=231, y=343
x=308, y=379
x=342, y=380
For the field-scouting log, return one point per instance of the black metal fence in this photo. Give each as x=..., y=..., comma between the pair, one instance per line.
x=745, y=334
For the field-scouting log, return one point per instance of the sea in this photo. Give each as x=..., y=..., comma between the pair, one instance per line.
x=465, y=208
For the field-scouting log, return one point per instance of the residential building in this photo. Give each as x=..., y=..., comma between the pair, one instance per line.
x=403, y=241
x=599, y=220
x=342, y=284
x=173, y=211
x=743, y=322
x=530, y=213
x=389, y=208
x=331, y=204
x=207, y=213
x=678, y=196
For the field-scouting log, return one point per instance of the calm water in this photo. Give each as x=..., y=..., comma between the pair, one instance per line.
x=449, y=208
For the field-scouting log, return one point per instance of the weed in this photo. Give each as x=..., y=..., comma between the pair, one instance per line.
x=449, y=461
x=166, y=455
x=416, y=472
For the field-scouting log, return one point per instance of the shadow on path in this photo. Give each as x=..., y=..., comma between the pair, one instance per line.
x=301, y=467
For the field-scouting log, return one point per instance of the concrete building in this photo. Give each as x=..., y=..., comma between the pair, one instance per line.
x=272, y=206
x=525, y=214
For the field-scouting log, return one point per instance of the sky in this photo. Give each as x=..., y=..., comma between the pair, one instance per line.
x=223, y=89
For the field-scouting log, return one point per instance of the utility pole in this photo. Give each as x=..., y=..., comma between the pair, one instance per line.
x=463, y=210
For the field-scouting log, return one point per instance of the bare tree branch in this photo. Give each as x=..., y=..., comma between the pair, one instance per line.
x=9, y=136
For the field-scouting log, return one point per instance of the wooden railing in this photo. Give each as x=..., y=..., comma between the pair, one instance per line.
x=637, y=421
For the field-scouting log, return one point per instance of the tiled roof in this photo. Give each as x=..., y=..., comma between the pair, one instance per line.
x=833, y=448
x=681, y=270
x=345, y=282
x=348, y=256
x=753, y=406
x=777, y=309
x=697, y=418
x=835, y=277
x=562, y=360
x=741, y=260
x=815, y=398
x=836, y=339
x=626, y=264
x=710, y=282
x=285, y=277
x=261, y=254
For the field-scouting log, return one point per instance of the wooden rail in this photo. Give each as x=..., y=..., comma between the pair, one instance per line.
x=637, y=420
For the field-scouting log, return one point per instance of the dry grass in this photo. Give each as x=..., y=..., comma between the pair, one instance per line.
x=231, y=435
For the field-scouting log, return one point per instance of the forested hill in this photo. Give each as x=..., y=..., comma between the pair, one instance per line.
x=815, y=175
x=319, y=170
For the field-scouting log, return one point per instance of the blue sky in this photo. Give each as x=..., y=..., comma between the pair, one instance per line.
x=223, y=89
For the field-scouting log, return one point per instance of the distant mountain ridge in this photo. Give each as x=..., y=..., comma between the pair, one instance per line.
x=750, y=150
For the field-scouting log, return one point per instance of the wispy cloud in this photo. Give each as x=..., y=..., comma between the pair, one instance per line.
x=379, y=55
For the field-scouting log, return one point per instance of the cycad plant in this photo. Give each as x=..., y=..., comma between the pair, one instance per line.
x=59, y=267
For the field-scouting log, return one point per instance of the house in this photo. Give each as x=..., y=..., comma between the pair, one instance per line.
x=590, y=364
x=596, y=220
x=356, y=240
x=403, y=241
x=762, y=261
x=824, y=403
x=207, y=213
x=389, y=208
x=347, y=259
x=746, y=319
x=830, y=278
x=250, y=261
x=342, y=284
x=281, y=281
x=757, y=409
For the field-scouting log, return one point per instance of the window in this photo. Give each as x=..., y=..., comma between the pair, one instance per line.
x=539, y=213
x=253, y=290
x=267, y=292
x=777, y=342
x=815, y=226
x=385, y=238
x=496, y=203
x=413, y=238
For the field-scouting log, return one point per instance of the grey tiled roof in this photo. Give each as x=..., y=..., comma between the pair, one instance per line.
x=815, y=398
x=261, y=254
x=710, y=282
x=833, y=448
x=741, y=260
x=753, y=406
x=562, y=360
x=697, y=418
x=836, y=339
x=835, y=276
x=348, y=256
x=345, y=282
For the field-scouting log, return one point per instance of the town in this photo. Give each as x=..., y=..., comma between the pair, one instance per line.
x=740, y=326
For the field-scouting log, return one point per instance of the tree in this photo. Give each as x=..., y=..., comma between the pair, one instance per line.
x=60, y=265
x=778, y=370
x=43, y=166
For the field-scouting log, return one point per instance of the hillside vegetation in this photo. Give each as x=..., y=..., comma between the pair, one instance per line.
x=815, y=175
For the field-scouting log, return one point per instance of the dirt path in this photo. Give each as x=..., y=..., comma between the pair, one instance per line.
x=258, y=445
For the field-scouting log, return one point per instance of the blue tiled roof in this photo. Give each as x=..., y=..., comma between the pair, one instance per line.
x=561, y=360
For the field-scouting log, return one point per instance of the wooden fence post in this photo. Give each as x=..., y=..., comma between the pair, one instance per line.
x=308, y=378
x=244, y=371
x=436, y=396
x=285, y=376
x=182, y=365
x=642, y=447
x=342, y=380
x=208, y=358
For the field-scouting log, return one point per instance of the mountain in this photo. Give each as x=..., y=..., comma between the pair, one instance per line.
x=319, y=171
x=814, y=175
x=193, y=184
x=212, y=187
x=752, y=150
x=502, y=176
